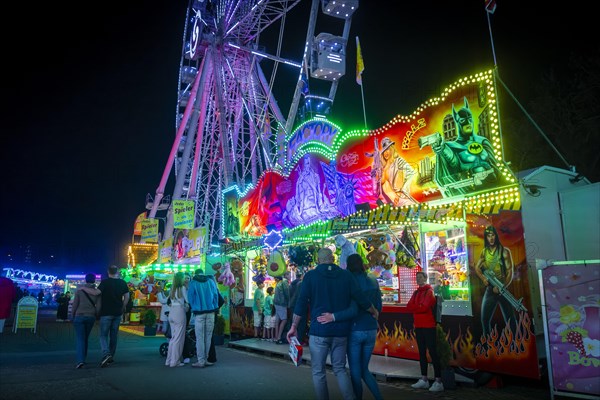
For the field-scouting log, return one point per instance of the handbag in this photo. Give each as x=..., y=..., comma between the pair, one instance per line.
x=96, y=311
x=221, y=299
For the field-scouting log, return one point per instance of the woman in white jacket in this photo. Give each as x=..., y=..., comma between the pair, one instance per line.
x=177, y=320
x=163, y=299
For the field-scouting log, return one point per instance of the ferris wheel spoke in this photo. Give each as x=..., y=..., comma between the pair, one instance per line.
x=254, y=17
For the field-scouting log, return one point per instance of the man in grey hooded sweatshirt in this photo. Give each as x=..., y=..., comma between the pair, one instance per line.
x=86, y=306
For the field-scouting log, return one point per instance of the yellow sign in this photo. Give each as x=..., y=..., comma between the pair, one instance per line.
x=27, y=310
x=165, y=251
x=137, y=226
x=150, y=230
x=198, y=237
x=183, y=214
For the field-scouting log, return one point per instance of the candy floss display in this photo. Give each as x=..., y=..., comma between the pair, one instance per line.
x=571, y=293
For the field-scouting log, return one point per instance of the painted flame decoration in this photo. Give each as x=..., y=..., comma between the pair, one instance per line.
x=506, y=344
x=499, y=346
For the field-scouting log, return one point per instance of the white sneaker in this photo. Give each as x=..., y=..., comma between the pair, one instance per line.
x=186, y=360
x=437, y=387
x=421, y=384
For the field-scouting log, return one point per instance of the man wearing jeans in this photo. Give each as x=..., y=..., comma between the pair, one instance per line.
x=115, y=295
x=328, y=288
x=203, y=297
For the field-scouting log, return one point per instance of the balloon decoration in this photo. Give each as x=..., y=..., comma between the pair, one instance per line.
x=276, y=265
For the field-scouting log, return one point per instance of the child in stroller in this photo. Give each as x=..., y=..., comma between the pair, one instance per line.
x=189, y=344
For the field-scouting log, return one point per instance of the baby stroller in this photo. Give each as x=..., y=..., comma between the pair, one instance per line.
x=189, y=343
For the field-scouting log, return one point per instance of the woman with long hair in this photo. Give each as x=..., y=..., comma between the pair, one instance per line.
x=361, y=341
x=177, y=320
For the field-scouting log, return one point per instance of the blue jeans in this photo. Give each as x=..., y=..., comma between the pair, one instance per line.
x=109, y=325
x=83, y=326
x=319, y=348
x=360, y=348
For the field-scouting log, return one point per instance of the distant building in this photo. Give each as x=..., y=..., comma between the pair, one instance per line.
x=426, y=169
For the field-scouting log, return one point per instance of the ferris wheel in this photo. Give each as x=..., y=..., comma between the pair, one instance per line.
x=229, y=126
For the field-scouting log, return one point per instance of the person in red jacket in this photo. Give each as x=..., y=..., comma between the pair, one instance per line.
x=7, y=295
x=421, y=305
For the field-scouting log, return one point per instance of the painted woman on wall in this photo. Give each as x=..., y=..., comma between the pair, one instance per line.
x=396, y=176
x=497, y=260
x=255, y=227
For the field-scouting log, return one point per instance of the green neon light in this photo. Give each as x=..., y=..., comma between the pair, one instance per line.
x=293, y=132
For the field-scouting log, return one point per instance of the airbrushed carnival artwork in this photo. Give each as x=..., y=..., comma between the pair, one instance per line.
x=448, y=147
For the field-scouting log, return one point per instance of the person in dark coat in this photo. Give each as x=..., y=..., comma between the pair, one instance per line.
x=62, y=312
x=7, y=295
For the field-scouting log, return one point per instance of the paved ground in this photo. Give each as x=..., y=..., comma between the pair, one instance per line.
x=41, y=366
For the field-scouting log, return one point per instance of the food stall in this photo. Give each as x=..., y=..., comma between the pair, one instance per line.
x=248, y=260
x=184, y=252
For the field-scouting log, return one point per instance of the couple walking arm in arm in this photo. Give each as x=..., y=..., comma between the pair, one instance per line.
x=329, y=289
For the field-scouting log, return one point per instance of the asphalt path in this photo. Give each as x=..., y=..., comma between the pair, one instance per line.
x=42, y=366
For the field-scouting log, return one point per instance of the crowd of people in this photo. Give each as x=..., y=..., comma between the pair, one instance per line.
x=190, y=300
x=11, y=293
x=344, y=308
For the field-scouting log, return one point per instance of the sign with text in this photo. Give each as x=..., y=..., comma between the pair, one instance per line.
x=315, y=130
x=165, y=251
x=27, y=311
x=572, y=297
x=137, y=226
x=183, y=214
x=150, y=230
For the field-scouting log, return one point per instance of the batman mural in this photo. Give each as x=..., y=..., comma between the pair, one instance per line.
x=464, y=163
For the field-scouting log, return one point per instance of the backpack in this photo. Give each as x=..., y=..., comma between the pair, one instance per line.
x=437, y=308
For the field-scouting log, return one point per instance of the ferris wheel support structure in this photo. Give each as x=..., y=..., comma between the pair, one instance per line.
x=231, y=129
x=193, y=131
x=165, y=176
x=314, y=9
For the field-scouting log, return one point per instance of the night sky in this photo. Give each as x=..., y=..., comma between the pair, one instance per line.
x=89, y=99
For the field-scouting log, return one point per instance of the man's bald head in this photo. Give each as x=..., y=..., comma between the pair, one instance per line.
x=325, y=256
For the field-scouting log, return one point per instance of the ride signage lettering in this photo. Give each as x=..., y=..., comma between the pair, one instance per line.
x=183, y=214
x=150, y=230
